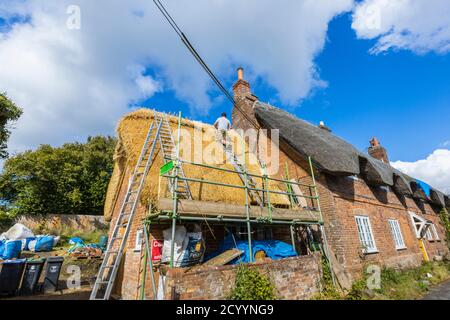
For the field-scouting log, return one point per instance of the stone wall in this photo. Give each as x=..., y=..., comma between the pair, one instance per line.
x=54, y=222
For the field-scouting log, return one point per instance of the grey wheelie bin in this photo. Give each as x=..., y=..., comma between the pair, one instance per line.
x=10, y=276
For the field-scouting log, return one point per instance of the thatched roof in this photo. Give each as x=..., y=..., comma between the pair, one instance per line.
x=447, y=201
x=335, y=156
x=329, y=153
x=438, y=197
x=132, y=130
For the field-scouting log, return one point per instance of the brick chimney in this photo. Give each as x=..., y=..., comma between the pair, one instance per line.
x=377, y=151
x=244, y=104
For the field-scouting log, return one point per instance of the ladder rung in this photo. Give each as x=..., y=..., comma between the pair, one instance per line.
x=108, y=267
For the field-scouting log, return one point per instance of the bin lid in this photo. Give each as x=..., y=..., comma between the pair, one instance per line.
x=36, y=261
x=18, y=261
x=55, y=259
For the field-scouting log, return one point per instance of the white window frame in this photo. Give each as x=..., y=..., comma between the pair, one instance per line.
x=397, y=234
x=431, y=233
x=418, y=223
x=436, y=234
x=428, y=234
x=365, y=234
x=138, y=240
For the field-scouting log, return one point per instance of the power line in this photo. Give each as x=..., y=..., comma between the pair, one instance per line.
x=191, y=48
x=199, y=59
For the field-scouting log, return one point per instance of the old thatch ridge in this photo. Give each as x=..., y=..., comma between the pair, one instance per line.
x=335, y=156
x=437, y=197
x=375, y=171
x=328, y=152
x=447, y=201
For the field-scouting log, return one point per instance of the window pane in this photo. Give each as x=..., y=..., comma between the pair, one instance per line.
x=365, y=234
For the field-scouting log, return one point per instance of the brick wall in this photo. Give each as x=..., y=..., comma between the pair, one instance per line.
x=295, y=278
x=341, y=198
x=355, y=197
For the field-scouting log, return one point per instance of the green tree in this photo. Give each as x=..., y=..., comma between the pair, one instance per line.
x=71, y=179
x=9, y=113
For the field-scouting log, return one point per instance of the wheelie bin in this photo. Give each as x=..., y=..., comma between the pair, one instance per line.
x=52, y=273
x=33, y=270
x=10, y=276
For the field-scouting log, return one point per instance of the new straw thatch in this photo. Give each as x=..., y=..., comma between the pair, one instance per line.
x=198, y=144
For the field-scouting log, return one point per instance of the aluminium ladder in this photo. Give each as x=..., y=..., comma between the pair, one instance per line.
x=169, y=152
x=254, y=195
x=116, y=246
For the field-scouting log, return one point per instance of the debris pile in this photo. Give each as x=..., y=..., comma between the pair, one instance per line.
x=19, y=238
x=80, y=250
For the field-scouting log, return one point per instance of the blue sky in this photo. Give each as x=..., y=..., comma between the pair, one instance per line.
x=367, y=68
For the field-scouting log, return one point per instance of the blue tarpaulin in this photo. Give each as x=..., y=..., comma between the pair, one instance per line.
x=274, y=249
x=425, y=187
x=75, y=240
x=10, y=249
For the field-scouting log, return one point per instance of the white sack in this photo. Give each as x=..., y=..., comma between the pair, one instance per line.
x=181, y=242
x=18, y=232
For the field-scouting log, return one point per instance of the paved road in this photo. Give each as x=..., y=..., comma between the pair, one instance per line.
x=441, y=292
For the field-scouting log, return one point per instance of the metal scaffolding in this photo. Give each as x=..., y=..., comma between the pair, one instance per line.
x=173, y=216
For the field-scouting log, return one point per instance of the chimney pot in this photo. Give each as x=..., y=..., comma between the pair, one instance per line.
x=240, y=71
x=377, y=151
x=374, y=142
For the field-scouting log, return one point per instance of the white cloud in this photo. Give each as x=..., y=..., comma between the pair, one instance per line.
x=434, y=170
x=417, y=25
x=72, y=83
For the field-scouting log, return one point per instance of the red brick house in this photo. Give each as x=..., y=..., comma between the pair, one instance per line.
x=372, y=213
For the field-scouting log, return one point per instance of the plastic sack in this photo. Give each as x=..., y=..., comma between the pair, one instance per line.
x=2, y=245
x=194, y=251
x=103, y=242
x=56, y=240
x=32, y=245
x=180, y=245
x=26, y=242
x=11, y=249
x=44, y=244
x=18, y=232
x=76, y=240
